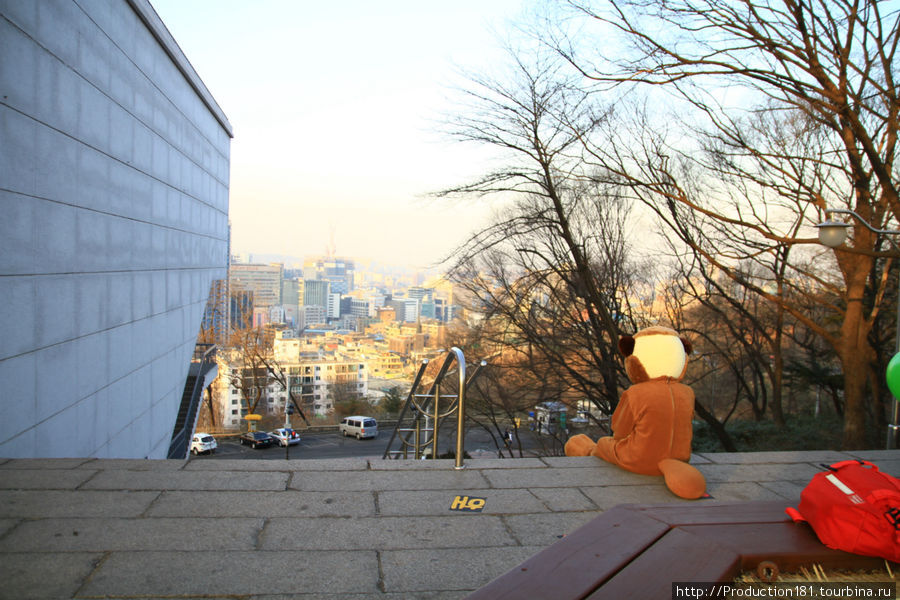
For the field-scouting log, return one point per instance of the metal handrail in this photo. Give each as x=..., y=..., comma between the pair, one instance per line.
x=202, y=360
x=423, y=409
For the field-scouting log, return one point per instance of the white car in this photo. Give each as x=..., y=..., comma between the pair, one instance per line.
x=286, y=436
x=203, y=442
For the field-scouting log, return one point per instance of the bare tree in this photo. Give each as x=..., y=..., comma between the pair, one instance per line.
x=793, y=110
x=550, y=275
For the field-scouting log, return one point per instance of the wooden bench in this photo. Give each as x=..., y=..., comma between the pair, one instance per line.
x=639, y=551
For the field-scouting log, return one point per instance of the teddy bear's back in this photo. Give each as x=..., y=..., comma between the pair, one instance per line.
x=658, y=413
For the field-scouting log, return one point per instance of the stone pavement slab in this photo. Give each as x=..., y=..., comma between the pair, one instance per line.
x=750, y=458
x=598, y=474
x=187, y=480
x=547, y=528
x=257, y=529
x=389, y=480
x=213, y=463
x=411, y=572
x=99, y=535
x=436, y=502
x=391, y=533
x=36, y=504
x=44, y=479
x=290, y=503
x=46, y=574
x=231, y=573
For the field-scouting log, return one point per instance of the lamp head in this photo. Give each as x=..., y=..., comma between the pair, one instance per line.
x=832, y=233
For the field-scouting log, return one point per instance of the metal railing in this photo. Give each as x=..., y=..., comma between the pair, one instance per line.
x=427, y=406
x=203, y=360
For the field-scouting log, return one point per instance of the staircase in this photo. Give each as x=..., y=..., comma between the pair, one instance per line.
x=202, y=371
x=424, y=412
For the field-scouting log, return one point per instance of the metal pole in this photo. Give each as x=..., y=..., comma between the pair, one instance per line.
x=434, y=426
x=461, y=409
x=418, y=450
x=894, y=426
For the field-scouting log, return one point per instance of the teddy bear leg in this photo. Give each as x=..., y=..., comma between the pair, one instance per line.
x=579, y=445
x=606, y=449
x=683, y=479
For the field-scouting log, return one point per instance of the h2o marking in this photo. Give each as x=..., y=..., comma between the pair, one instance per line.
x=467, y=504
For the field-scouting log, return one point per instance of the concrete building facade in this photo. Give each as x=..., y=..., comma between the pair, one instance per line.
x=114, y=175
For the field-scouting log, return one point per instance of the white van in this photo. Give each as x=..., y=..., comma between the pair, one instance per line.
x=361, y=427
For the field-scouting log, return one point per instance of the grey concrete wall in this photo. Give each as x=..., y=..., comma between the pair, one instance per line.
x=114, y=166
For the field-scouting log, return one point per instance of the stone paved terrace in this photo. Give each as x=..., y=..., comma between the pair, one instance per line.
x=324, y=529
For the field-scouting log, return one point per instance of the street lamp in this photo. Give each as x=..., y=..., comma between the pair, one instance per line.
x=833, y=234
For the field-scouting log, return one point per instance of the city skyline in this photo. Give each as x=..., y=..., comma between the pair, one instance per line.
x=335, y=112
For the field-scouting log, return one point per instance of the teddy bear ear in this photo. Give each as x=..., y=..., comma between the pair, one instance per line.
x=626, y=345
x=688, y=347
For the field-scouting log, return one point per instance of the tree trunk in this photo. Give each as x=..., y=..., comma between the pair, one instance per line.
x=856, y=354
x=855, y=375
x=717, y=426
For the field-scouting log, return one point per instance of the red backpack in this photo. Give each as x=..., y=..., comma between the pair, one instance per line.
x=853, y=507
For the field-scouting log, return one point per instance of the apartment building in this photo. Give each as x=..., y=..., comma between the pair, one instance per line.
x=316, y=382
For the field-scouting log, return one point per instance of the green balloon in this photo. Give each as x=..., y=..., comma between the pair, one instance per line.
x=892, y=375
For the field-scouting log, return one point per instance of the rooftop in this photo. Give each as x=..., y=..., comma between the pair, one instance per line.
x=323, y=529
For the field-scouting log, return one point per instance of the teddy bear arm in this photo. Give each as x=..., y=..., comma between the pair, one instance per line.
x=622, y=422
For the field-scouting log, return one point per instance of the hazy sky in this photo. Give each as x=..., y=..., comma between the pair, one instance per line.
x=333, y=106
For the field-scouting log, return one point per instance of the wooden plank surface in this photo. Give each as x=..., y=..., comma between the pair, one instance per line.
x=703, y=512
x=788, y=545
x=639, y=551
x=678, y=556
x=574, y=566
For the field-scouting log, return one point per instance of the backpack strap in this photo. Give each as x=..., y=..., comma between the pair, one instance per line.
x=794, y=514
x=846, y=463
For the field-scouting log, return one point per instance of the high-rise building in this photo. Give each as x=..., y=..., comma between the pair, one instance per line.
x=407, y=309
x=263, y=280
x=241, y=309
x=114, y=166
x=290, y=292
x=315, y=293
x=421, y=294
x=362, y=307
x=215, y=315
x=334, y=306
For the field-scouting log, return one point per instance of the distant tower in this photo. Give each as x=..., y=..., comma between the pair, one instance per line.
x=331, y=248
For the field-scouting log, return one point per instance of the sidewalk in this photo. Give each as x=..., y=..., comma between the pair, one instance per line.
x=325, y=529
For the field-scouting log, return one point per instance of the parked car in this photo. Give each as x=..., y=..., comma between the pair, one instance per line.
x=285, y=436
x=202, y=443
x=257, y=439
x=361, y=427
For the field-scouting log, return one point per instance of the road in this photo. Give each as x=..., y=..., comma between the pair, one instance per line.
x=331, y=444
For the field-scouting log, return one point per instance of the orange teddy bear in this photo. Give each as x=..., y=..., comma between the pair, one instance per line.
x=651, y=425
